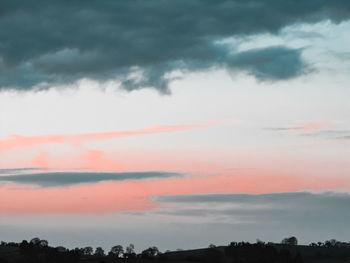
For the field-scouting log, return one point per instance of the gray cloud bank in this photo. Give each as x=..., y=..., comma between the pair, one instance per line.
x=309, y=217
x=296, y=209
x=45, y=43
x=53, y=179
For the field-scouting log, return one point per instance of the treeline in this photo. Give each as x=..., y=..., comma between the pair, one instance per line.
x=287, y=251
x=260, y=252
x=244, y=252
x=331, y=243
x=38, y=250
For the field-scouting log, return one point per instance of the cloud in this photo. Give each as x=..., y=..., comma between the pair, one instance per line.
x=19, y=141
x=289, y=208
x=331, y=134
x=5, y=171
x=54, y=179
x=276, y=198
x=57, y=42
x=145, y=194
x=304, y=128
x=315, y=129
x=344, y=137
x=272, y=63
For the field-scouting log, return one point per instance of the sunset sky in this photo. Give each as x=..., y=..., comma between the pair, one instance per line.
x=174, y=123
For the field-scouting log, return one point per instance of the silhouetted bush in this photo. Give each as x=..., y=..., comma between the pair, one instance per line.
x=150, y=253
x=292, y=241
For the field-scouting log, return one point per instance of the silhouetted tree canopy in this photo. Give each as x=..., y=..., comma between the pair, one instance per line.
x=87, y=251
x=150, y=253
x=116, y=251
x=38, y=251
x=292, y=241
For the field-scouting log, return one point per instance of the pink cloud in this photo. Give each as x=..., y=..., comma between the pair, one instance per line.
x=313, y=126
x=96, y=161
x=109, y=197
x=18, y=141
x=304, y=127
x=42, y=161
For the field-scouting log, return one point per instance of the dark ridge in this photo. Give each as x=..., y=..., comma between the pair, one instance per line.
x=288, y=251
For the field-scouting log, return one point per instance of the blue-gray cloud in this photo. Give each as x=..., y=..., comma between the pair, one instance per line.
x=270, y=63
x=326, y=134
x=56, y=42
x=293, y=209
x=284, y=128
x=53, y=179
x=344, y=137
x=253, y=198
x=5, y=171
x=331, y=134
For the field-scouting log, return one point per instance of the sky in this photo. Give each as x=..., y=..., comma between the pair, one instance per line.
x=174, y=124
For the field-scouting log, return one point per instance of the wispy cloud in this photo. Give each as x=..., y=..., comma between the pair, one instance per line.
x=9, y=171
x=19, y=141
x=315, y=129
x=302, y=127
x=347, y=137
x=331, y=134
x=56, y=179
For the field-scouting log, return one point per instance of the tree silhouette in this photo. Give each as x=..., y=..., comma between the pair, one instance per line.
x=292, y=241
x=150, y=253
x=43, y=243
x=35, y=241
x=99, y=252
x=130, y=251
x=87, y=251
x=116, y=251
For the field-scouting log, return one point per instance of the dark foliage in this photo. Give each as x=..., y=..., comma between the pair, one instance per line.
x=38, y=251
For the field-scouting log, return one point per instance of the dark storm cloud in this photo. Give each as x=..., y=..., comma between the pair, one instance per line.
x=71, y=178
x=271, y=63
x=319, y=209
x=52, y=42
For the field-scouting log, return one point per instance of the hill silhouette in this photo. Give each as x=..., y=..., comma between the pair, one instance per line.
x=288, y=251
